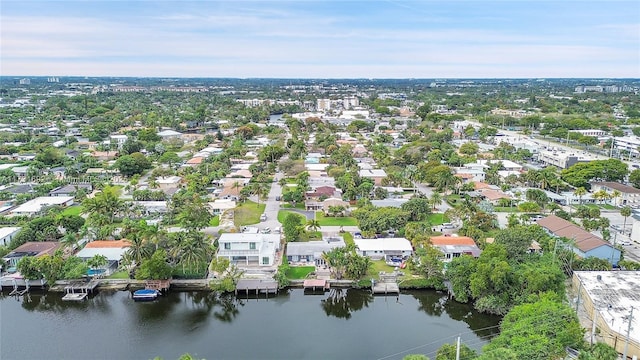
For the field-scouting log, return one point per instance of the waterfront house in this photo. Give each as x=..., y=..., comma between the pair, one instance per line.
x=583, y=243
x=310, y=252
x=249, y=249
x=455, y=246
x=113, y=250
x=31, y=248
x=384, y=248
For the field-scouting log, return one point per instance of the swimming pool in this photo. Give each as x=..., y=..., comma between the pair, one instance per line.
x=92, y=272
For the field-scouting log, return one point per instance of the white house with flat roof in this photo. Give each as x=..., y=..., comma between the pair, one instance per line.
x=247, y=249
x=36, y=205
x=384, y=248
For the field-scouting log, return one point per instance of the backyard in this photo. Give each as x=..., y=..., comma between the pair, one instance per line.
x=72, y=210
x=248, y=213
x=437, y=219
x=299, y=272
x=335, y=221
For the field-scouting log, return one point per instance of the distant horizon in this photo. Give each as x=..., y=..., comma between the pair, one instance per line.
x=602, y=78
x=393, y=39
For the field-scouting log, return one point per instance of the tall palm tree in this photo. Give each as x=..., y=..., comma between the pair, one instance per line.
x=615, y=194
x=580, y=192
x=436, y=199
x=625, y=212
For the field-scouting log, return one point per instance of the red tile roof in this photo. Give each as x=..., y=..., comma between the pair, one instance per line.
x=452, y=240
x=102, y=244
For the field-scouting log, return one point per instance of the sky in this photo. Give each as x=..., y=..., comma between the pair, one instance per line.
x=321, y=39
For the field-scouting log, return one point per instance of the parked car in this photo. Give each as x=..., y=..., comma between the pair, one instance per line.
x=266, y=230
x=263, y=217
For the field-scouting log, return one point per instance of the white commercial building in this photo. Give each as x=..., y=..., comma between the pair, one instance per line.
x=608, y=297
x=564, y=159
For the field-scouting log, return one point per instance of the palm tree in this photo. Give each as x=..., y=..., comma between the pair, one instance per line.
x=313, y=224
x=436, y=199
x=614, y=196
x=625, y=212
x=580, y=192
x=192, y=250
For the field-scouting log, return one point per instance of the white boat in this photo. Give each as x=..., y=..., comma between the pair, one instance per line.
x=145, y=295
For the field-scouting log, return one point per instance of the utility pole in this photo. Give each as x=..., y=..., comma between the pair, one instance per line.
x=626, y=343
x=458, y=346
x=593, y=325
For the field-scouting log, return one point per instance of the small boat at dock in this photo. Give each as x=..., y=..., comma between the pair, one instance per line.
x=145, y=295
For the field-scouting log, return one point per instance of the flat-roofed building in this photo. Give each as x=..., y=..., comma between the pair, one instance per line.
x=610, y=296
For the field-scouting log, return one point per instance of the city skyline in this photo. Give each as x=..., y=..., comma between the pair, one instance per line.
x=329, y=39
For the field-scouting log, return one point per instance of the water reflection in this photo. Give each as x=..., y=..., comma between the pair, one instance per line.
x=341, y=303
x=36, y=301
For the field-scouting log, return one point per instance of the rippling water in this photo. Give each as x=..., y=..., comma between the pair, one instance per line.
x=341, y=324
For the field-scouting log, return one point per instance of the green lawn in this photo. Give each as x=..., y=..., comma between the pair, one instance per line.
x=299, y=272
x=299, y=206
x=248, y=213
x=335, y=221
x=507, y=209
x=348, y=238
x=283, y=213
x=453, y=199
x=601, y=206
x=437, y=219
x=379, y=265
x=72, y=210
x=215, y=221
x=119, y=275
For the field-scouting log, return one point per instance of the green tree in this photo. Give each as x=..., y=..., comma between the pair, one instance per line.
x=97, y=261
x=625, y=212
x=155, y=268
x=418, y=208
x=599, y=351
x=170, y=158
x=448, y=352
x=634, y=177
x=469, y=148
x=132, y=164
x=540, y=330
x=292, y=227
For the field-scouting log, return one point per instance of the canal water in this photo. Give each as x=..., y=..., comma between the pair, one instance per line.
x=341, y=324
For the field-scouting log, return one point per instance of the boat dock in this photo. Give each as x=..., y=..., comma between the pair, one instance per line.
x=257, y=285
x=387, y=284
x=159, y=285
x=316, y=284
x=79, y=290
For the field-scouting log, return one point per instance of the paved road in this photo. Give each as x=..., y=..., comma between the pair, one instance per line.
x=272, y=205
x=428, y=191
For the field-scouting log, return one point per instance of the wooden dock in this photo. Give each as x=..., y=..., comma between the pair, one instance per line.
x=79, y=290
x=257, y=285
x=159, y=285
x=316, y=285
